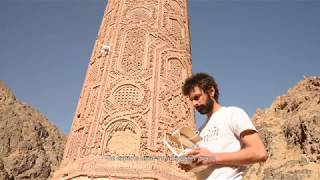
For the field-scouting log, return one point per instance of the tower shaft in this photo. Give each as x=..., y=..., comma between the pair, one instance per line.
x=131, y=95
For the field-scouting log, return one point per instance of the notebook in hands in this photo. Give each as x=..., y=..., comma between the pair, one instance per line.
x=181, y=141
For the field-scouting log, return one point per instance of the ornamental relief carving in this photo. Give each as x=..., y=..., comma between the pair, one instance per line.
x=133, y=53
x=174, y=67
x=96, y=150
x=127, y=96
x=155, y=41
x=122, y=137
x=84, y=120
x=71, y=150
x=173, y=106
x=175, y=30
x=132, y=92
x=111, y=13
x=138, y=118
x=104, y=123
x=176, y=7
x=130, y=52
x=140, y=14
x=133, y=57
x=175, y=22
x=92, y=101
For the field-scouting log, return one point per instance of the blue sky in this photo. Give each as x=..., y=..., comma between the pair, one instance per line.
x=256, y=49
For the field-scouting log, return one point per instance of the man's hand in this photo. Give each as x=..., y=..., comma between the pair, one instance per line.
x=202, y=156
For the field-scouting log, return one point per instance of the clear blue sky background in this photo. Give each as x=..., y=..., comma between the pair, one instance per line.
x=256, y=49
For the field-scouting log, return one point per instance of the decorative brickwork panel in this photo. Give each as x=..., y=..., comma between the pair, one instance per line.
x=131, y=96
x=128, y=94
x=134, y=51
x=122, y=138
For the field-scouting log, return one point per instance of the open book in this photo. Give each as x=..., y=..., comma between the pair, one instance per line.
x=181, y=141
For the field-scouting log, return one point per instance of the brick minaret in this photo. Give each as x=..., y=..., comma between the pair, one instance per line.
x=131, y=95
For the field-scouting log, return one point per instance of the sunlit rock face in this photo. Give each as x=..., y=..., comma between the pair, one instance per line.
x=290, y=129
x=30, y=146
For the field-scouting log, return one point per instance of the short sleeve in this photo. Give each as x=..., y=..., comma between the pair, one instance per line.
x=241, y=121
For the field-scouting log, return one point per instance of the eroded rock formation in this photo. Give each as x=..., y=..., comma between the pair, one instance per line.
x=290, y=129
x=30, y=146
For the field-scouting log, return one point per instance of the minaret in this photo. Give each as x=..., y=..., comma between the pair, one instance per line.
x=131, y=95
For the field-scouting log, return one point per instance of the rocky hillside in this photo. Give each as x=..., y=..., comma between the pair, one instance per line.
x=290, y=129
x=30, y=146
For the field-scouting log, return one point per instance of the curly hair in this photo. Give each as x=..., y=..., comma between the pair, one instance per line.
x=203, y=81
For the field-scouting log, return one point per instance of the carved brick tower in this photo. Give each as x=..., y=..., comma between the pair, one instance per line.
x=132, y=93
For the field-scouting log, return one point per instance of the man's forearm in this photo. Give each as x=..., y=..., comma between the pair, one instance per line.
x=243, y=157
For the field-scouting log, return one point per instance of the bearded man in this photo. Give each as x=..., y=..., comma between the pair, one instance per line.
x=229, y=139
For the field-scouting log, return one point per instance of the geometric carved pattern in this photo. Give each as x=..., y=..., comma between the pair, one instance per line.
x=127, y=94
x=133, y=54
x=175, y=29
x=173, y=105
x=175, y=68
x=175, y=7
x=175, y=108
x=139, y=14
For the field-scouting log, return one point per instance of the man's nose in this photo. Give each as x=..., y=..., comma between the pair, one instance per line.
x=195, y=103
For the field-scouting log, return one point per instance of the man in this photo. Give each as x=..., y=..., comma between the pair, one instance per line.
x=229, y=139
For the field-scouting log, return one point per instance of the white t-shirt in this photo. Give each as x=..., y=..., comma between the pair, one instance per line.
x=222, y=134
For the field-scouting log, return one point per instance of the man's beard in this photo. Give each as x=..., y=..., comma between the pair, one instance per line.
x=205, y=109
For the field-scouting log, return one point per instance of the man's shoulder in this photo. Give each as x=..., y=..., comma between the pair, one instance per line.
x=236, y=112
x=233, y=109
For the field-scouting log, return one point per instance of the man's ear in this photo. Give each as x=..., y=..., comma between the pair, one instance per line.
x=212, y=91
